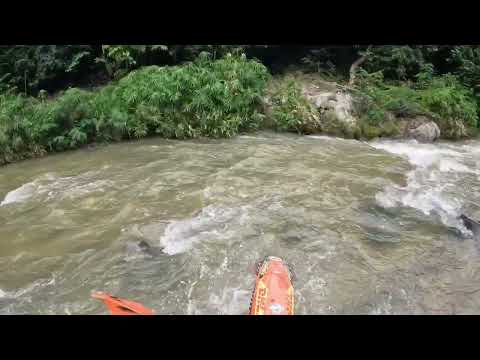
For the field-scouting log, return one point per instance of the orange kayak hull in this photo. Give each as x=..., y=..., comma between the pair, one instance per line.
x=273, y=293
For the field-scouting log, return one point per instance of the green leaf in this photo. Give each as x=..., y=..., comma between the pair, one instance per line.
x=76, y=60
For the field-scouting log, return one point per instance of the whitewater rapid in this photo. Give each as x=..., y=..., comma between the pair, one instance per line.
x=370, y=228
x=437, y=170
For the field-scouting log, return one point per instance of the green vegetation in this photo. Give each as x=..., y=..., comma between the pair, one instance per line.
x=290, y=110
x=204, y=98
x=29, y=69
x=444, y=99
x=48, y=100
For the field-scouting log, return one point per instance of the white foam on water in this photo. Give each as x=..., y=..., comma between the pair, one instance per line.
x=191, y=308
x=325, y=137
x=232, y=301
x=211, y=223
x=35, y=285
x=420, y=155
x=384, y=308
x=473, y=149
x=21, y=194
x=428, y=184
x=24, y=192
x=74, y=191
x=446, y=165
x=2, y=294
x=58, y=187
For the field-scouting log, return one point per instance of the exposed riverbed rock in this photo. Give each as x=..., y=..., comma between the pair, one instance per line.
x=337, y=103
x=453, y=129
x=422, y=129
x=335, y=112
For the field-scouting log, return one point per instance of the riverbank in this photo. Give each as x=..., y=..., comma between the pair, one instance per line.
x=201, y=99
x=308, y=104
x=226, y=97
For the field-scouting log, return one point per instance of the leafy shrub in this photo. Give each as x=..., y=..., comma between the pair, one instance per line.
x=204, y=98
x=396, y=62
x=377, y=98
x=320, y=60
x=291, y=111
x=31, y=68
x=448, y=99
x=466, y=60
x=368, y=131
x=442, y=98
x=118, y=59
x=16, y=135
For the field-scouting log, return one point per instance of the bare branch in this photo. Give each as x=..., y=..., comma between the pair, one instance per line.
x=355, y=65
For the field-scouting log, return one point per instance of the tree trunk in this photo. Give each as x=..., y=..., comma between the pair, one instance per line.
x=354, y=67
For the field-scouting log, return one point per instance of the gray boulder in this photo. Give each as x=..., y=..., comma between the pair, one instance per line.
x=427, y=131
x=338, y=103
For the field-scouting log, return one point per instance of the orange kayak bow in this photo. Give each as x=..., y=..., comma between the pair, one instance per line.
x=273, y=293
x=119, y=306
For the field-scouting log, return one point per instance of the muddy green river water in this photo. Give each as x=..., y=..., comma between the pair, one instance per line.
x=369, y=228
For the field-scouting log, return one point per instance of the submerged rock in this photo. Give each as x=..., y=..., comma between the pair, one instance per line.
x=148, y=249
x=472, y=225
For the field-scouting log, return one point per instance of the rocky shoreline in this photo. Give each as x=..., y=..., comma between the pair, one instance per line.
x=336, y=114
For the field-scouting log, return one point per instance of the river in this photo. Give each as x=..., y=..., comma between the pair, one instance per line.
x=369, y=228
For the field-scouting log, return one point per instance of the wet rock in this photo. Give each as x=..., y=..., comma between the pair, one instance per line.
x=148, y=249
x=339, y=104
x=454, y=129
x=423, y=129
x=472, y=225
x=144, y=247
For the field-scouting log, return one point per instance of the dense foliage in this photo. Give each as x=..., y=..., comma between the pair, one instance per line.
x=290, y=110
x=31, y=68
x=48, y=102
x=204, y=98
x=443, y=98
x=46, y=65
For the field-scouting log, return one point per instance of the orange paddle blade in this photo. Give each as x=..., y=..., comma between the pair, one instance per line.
x=119, y=306
x=273, y=293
